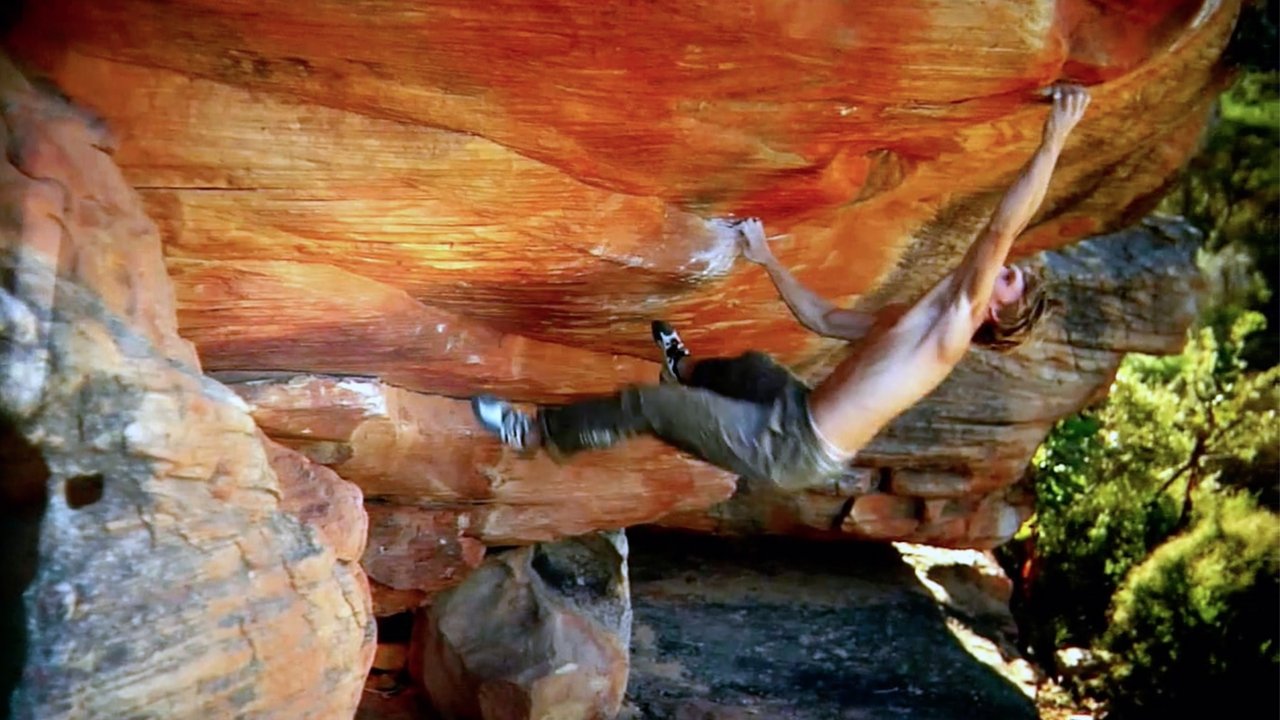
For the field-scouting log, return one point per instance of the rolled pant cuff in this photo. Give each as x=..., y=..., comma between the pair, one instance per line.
x=828, y=448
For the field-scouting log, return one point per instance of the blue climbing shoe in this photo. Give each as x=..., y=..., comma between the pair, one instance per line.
x=514, y=428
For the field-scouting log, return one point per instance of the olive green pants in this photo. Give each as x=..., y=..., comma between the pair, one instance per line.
x=748, y=415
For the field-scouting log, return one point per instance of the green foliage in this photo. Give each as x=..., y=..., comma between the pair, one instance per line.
x=1196, y=623
x=1254, y=101
x=1116, y=482
x=1157, y=530
x=1231, y=190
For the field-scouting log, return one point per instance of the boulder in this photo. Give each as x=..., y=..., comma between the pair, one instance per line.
x=539, y=632
x=165, y=576
x=458, y=197
x=318, y=497
x=413, y=548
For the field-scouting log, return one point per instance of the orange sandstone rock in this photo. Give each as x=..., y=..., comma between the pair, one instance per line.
x=466, y=197
x=537, y=632
x=409, y=448
x=413, y=548
x=335, y=181
x=317, y=496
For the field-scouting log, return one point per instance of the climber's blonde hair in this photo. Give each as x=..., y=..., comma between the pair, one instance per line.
x=1017, y=322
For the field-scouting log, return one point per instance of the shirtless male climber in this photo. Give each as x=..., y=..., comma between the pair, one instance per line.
x=751, y=416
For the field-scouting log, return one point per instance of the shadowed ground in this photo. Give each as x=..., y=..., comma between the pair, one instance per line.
x=796, y=631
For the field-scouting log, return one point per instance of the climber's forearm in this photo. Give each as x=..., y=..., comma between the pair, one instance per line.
x=808, y=307
x=978, y=270
x=1024, y=197
x=987, y=255
x=813, y=311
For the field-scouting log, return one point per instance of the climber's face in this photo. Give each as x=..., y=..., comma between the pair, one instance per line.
x=1008, y=290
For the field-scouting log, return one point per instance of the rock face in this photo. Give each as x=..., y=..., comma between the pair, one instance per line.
x=539, y=632
x=459, y=198
x=164, y=573
x=371, y=209
x=501, y=196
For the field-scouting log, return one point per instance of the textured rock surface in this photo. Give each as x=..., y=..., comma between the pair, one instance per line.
x=462, y=197
x=539, y=632
x=405, y=447
x=366, y=181
x=169, y=579
x=413, y=548
x=318, y=497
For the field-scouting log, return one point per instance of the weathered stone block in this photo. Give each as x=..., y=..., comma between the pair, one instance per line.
x=880, y=515
x=542, y=631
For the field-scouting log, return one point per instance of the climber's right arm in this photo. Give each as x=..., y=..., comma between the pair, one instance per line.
x=814, y=312
x=977, y=271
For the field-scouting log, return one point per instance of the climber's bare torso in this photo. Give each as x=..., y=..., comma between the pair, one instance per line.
x=892, y=369
x=896, y=362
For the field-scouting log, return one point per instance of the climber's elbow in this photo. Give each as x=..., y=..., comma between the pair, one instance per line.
x=816, y=324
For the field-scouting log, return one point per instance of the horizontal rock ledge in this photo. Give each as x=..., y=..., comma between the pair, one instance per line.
x=405, y=447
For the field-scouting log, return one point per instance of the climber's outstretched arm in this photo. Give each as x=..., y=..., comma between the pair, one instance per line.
x=814, y=312
x=974, y=277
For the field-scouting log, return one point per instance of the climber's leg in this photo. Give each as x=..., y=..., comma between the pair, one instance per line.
x=752, y=376
x=720, y=430
x=774, y=442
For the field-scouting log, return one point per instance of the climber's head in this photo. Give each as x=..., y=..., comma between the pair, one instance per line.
x=1018, y=302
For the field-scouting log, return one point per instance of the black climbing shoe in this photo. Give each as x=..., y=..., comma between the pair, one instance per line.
x=673, y=350
x=513, y=428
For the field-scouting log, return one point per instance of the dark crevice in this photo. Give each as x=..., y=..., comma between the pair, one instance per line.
x=83, y=490
x=396, y=628
x=205, y=188
x=11, y=11
x=884, y=483
x=837, y=523
x=23, y=498
x=573, y=567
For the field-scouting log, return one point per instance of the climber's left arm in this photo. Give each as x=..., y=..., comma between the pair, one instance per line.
x=812, y=310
